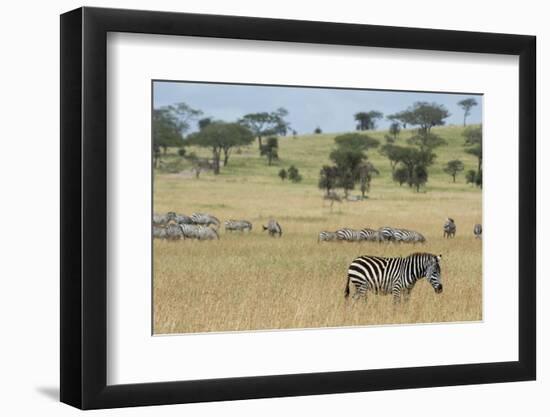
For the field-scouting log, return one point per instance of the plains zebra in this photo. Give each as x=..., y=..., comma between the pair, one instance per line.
x=395, y=275
x=449, y=228
x=477, y=231
x=349, y=235
x=205, y=219
x=159, y=232
x=369, y=235
x=174, y=232
x=386, y=234
x=163, y=219
x=182, y=219
x=327, y=236
x=408, y=236
x=273, y=228
x=193, y=231
x=240, y=225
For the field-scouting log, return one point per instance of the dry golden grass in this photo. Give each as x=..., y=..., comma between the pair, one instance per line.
x=252, y=281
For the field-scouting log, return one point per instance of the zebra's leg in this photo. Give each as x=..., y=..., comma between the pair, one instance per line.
x=406, y=294
x=396, y=292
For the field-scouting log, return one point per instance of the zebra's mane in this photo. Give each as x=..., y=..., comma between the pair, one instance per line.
x=421, y=254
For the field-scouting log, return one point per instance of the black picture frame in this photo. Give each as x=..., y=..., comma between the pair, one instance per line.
x=84, y=207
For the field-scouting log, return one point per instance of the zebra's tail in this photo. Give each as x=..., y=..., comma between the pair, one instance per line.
x=346, y=291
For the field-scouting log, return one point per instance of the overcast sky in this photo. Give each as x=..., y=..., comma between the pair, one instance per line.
x=330, y=109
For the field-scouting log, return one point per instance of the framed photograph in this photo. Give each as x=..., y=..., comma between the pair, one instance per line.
x=258, y=208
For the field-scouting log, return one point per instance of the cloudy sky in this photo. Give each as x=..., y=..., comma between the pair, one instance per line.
x=331, y=109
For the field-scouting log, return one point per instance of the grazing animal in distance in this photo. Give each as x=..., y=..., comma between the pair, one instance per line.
x=183, y=219
x=173, y=232
x=205, y=219
x=408, y=236
x=333, y=197
x=386, y=234
x=273, y=228
x=369, y=235
x=477, y=231
x=449, y=228
x=194, y=231
x=163, y=219
x=239, y=225
x=349, y=235
x=327, y=236
x=159, y=232
x=393, y=275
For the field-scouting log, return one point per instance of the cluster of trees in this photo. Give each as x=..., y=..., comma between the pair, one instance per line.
x=171, y=123
x=292, y=173
x=409, y=164
x=351, y=165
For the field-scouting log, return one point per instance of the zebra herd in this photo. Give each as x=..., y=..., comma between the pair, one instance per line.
x=201, y=226
x=383, y=234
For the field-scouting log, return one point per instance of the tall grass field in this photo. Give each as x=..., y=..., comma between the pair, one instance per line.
x=251, y=281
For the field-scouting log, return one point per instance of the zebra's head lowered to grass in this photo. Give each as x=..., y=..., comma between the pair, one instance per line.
x=433, y=274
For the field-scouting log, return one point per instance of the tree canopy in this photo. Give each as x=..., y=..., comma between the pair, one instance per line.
x=467, y=105
x=220, y=137
x=266, y=123
x=170, y=123
x=422, y=114
x=367, y=120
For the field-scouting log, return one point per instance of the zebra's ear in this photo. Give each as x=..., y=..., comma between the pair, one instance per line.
x=438, y=257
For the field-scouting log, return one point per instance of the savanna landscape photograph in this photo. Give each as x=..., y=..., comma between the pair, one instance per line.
x=281, y=207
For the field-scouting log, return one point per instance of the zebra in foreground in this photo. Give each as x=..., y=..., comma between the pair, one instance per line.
x=408, y=236
x=449, y=228
x=205, y=219
x=477, y=231
x=240, y=225
x=273, y=228
x=193, y=231
x=327, y=236
x=395, y=275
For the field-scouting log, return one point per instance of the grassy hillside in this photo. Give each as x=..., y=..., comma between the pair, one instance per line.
x=310, y=152
x=252, y=281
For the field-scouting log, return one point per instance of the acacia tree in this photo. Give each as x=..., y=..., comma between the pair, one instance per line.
x=266, y=124
x=422, y=114
x=270, y=149
x=348, y=156
x=366, y=172
x=170, y=123
x=367, y=120
x=471, y=177
x=453, y=168
x=467, y=105
x=328, y=178
x=473, y=141
x=220, y=137
x=395, y=128
x=283, y=174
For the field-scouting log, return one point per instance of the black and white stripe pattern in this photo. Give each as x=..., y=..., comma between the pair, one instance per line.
x=193, y=231
x=393, y=275
x=385, y=234
x=349, y=235
x=477, y=231
x=369, y=235
x=237, y=225
x=163, y=219
x=449, y=228
x=326, y=236
x=408, y=236
x=273, y=228
x=173, y=232
x=159, y=232
x=182, y=219
x=205, y=219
